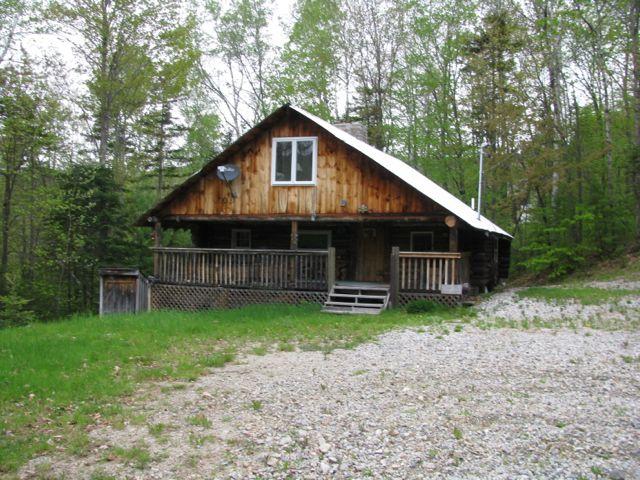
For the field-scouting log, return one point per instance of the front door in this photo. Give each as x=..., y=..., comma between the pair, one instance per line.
x=371, y=254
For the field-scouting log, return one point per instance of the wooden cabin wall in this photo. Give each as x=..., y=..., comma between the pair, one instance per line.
x=401, y=236
x=504, y=258
x=343, y=174
x=486, y=259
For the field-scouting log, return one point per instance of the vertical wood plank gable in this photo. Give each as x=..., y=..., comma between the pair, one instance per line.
x=342, y=174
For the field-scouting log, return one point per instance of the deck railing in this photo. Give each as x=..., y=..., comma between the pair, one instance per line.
x=268, y=269
x=430, y=271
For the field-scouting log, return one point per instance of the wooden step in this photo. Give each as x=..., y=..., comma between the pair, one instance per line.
x=357, y=298
x=353, y=304
x=357, y=289
x=357, y=310
x=350, y=295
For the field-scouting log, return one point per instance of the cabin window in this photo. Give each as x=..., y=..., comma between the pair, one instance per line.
x=294, y=161
x=314, y=239
x=240, y=238
x=421, y=241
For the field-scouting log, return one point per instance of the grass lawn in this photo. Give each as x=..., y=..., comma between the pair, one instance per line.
x=58, y=378
x=584, y=295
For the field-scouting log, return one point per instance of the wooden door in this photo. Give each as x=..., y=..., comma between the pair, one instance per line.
x=372, y=255
x=119, y=295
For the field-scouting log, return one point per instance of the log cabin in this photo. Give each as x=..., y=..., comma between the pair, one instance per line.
x=301, y=210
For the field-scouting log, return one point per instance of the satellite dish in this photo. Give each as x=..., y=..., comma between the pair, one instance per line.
x=228, y=172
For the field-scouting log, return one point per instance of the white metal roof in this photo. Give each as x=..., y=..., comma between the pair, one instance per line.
x=411, y=176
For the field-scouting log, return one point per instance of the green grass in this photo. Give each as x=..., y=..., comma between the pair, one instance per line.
x=630, y=359
x=200, y=420
x=137, y=456
x=55, y=377
x=584, y=295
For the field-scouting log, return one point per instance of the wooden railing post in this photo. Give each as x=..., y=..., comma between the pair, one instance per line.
x=394, y=276
x=331, y=268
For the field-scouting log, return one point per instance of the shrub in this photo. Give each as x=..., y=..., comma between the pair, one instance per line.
x=13, y=311
x=423, y=306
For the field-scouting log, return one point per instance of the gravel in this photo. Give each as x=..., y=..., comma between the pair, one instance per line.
x=497, y=403
x=508, y=309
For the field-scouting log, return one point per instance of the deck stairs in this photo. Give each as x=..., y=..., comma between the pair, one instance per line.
x=357, y=297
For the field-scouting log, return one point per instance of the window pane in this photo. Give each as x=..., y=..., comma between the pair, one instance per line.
x=283, y=161
x=304, y=167
x=313, y=240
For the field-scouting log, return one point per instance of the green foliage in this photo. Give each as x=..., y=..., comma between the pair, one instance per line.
x=310, y=57
x=424, y=306
x=90, y=229
x=14, y=311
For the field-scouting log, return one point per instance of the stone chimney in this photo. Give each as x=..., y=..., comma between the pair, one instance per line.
x=356, y=129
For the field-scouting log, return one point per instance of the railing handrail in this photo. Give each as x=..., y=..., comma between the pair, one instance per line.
x=407, y=254
x=238, y=250
x=428, y=271
x=245, y=268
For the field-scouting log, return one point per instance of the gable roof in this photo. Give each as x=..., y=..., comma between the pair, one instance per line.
x=411, y=176
x=395, y=166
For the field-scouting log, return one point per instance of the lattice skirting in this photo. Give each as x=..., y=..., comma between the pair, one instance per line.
x=190, y=297
x=404, y=298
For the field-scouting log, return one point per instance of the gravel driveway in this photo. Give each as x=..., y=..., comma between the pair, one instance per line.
x=497, y=403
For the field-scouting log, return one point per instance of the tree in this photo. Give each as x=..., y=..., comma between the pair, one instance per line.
x=496, y=99
x=171, y=78
x=241, y=42
x=89, y=229
x=310, y=59
x=431, y=118
x=28, y=118
x=12, y=24
x=375, y=33
x=115, y=39
x=634, y=20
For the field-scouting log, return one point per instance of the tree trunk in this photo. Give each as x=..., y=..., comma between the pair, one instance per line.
x=104, y=97
x=6, y=217
x=165, y=114
x=635, y=161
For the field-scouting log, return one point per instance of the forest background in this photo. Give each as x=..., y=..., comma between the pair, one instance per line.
x=150, y=90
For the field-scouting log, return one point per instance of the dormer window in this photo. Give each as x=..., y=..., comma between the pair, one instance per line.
x=294, y=161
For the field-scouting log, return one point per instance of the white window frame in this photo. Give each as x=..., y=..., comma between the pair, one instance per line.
x=327, y=233
x=234, y=238
x=412, y=234
x=294, y=155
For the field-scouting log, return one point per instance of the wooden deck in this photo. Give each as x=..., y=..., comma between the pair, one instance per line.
x=193, y=278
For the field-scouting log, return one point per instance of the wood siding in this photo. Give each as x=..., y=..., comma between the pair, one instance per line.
x=342, y=175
